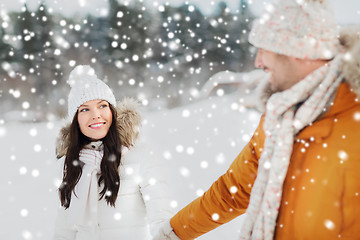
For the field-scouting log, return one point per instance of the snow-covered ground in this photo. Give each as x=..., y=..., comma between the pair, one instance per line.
x=198, y=142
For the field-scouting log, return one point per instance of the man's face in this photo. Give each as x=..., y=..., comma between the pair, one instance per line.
x=283, y=69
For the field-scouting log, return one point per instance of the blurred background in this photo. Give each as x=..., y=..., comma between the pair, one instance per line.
x=160, y=52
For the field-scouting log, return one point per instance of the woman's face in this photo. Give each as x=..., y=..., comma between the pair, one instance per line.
x=95, y=118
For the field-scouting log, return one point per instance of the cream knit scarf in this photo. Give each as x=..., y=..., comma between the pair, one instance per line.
x=84, y=203
x=281, y=125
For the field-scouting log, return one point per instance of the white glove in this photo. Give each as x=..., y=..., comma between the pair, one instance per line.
x=92, y=158
x=166, y=232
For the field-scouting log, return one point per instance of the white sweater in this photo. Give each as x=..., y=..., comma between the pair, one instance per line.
x=142, y=205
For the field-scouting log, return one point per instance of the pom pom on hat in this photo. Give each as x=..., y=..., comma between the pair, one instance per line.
x=85, y=86
x=80, y=73
x=305, y=29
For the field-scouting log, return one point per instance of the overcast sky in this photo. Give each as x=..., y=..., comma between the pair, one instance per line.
x=346, y=11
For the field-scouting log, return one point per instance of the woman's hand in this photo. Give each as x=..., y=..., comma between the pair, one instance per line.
x=166, y=232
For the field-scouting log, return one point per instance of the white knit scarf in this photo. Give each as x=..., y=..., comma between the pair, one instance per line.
x=282, y=123
x=84, y=202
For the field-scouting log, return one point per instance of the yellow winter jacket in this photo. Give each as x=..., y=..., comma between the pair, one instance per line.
x=321, y=192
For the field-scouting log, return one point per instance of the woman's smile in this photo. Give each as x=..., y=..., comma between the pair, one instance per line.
x=97, y=125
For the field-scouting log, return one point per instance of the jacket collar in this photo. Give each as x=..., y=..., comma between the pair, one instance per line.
x=345, y=99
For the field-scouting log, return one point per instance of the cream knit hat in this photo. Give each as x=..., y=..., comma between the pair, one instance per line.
x=305, y=29
x=85, y=86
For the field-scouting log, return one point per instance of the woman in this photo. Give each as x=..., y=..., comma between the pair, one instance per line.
x=111, y=186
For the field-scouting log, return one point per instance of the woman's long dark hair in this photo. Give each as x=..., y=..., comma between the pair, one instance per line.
x=109, y=165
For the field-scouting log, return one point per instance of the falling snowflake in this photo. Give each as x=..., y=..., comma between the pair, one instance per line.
x=173, y=204
x=179, y=148
x=23, y=170
x=329, y=224
x=24, y=212
x=190, y=150
x=27, y=235
x=35, y=173
x=167, y=155
x=184, y=171
x=357, y=116
x=204, y=164
x=215, y=217
x=2, y=132
x=117, y=216
x=267, y=165
x=37, y=147
x=220, y=158
x=233, y=189
x=199, y=192
x=343, y=155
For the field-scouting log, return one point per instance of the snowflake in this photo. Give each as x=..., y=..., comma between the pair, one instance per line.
x=2, y=132
x=215, y=217
x=117, y=216
x=329, y=224
x=204, y=164
x=184, y=171
x=35, y=173
x=190, y=150
x=199, y=192
x=23, y=170
x=37, y=147
x=173, y=204
x=233, y=189
x=357, y=116
x=343, y=155
x=185, y=113
x=27, y=235
x=25, y=105
x=24, y=212
x=123, y=46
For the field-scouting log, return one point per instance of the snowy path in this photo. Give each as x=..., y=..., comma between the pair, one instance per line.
x=199, y=141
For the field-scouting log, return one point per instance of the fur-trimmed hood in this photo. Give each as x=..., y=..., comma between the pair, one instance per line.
x=128, y=124
x=350, y=40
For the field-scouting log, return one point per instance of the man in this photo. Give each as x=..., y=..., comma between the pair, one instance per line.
x=298, y=177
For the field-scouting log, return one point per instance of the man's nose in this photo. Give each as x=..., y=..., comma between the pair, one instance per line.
x=258, y=60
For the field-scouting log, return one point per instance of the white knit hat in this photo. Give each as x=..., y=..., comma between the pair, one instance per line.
x=85, y=86
x=305, y=29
